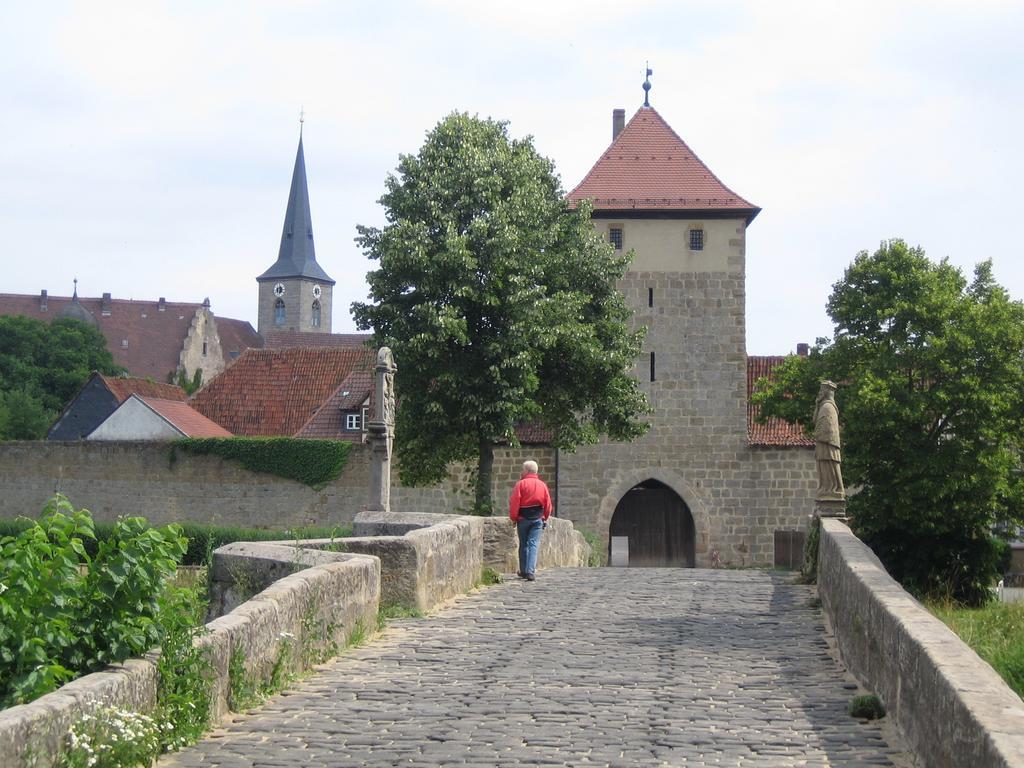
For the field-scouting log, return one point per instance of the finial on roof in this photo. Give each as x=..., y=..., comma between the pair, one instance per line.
x=302, y=119
x=647, y=85
x=75, y=294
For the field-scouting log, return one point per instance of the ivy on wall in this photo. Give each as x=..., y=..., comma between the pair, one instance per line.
x=313, y=462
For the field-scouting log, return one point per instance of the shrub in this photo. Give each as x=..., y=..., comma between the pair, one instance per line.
x=59, y=619
x=867, y=707
x=313, y=462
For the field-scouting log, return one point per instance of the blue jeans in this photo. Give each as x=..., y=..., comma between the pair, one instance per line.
x=529, y=541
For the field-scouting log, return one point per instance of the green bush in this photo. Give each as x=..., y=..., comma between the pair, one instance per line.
x=202, y=539
x=65, y=613
x=313, y=462
x=868, y=707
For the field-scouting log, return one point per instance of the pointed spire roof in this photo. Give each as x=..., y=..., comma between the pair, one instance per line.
x=649, y=168
x=297, y=256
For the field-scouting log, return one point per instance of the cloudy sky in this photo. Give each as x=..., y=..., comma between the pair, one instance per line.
x=147, y=147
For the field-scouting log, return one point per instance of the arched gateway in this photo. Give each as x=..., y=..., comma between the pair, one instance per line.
x=658, y=525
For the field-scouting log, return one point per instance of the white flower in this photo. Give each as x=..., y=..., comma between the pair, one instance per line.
x=3, y=587
x=286, y=636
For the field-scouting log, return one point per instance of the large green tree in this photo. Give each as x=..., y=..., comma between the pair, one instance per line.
x=500, y=303
x=42, y=366
x=930, y=370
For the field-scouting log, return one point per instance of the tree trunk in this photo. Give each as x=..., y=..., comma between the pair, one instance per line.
x=484, y=503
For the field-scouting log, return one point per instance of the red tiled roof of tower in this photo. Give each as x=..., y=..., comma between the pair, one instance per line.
x=328, y=421
x=236, y=336
x=774, y=431
x=186, y=419
x=154, y=337
x=124, y=387
x=649, y=167
x=276, y=391
x=289, y=339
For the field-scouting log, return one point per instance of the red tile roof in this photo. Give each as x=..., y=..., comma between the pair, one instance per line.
x=188, y=421
x=288, y=339
x=775, y=431
x=276, y=391
x=236, y=336
x=143, y=338
x=534, y=433
x=328, y=422
x=648, y=167
x=123, y=387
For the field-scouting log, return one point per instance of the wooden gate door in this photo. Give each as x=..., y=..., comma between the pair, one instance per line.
x=659, y=526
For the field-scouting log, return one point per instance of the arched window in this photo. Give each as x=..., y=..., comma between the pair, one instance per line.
x=279, y=312
x=316, y=314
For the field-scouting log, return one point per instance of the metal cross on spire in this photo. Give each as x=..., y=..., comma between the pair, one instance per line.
x=302, y=119
x=75, y=294
x=647, y=84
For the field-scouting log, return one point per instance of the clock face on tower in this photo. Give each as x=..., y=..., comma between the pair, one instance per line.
x=279, y=290
x=317, y=291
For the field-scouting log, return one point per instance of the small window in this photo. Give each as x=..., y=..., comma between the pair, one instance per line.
x=615, y=237
x=353, y=422
x=315, y=319
x=124, y=343
x=204, y=347
x=696, y=239
x=652, y=366
x=279, y=312
x=650, y=297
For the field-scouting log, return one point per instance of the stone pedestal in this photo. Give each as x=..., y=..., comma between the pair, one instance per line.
x=829, y=508
x=381, y=432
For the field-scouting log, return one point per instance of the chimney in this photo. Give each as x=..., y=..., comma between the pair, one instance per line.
x=105, y=305
x=42, y=300
x=803, y=348
x=618, y=122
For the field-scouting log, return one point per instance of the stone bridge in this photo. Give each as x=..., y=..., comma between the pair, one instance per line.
x=610, y=667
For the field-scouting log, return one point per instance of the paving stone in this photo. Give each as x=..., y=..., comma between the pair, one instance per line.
x=637, y=667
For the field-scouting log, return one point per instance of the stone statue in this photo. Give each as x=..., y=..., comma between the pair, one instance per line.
x=826, y=445
x=381, y=431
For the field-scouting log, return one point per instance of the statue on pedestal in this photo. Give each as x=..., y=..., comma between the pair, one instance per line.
x=826, y=446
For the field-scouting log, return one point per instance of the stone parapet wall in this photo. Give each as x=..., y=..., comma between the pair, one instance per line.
x=319, y=607
x=561, y=545
x=165, y=485
x=952, y=707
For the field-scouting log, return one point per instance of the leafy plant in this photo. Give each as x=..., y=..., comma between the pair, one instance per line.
x=313, y=462
x=868, y=707
x=598, y=554
x=113, y=738
x=489, y=577
x=64, y=613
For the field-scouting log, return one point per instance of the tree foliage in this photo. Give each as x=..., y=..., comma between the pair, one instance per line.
x=42, y=366
x=500, y=304
x=931, y=375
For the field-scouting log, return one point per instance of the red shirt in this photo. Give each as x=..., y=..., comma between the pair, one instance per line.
x=530, y=491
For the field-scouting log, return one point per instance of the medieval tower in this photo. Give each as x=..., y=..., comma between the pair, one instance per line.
x=696, y=489
x=295, y=293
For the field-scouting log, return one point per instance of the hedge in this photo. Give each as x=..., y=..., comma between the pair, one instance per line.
x=202, y=539
x=313, y=462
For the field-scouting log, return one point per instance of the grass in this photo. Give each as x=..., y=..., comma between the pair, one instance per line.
x=995, y=632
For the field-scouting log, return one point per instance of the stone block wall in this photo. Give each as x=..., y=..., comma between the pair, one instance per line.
x=152, y=479
x=952, y=707
x=561, y=545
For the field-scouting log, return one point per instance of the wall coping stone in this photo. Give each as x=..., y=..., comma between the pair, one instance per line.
x=951, y=706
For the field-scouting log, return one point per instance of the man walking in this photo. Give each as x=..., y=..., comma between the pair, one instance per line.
x=529, y=507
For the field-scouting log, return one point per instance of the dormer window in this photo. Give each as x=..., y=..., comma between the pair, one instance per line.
x=353, y=422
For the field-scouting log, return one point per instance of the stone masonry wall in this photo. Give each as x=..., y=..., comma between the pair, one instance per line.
x=114, y=479
x=697, y=443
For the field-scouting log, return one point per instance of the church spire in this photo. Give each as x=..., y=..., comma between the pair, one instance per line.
x=297, y=256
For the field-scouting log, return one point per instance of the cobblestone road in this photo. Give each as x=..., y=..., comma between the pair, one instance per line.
x=611, y=667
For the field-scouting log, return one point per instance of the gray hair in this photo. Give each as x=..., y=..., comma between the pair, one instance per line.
x=530, y=466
